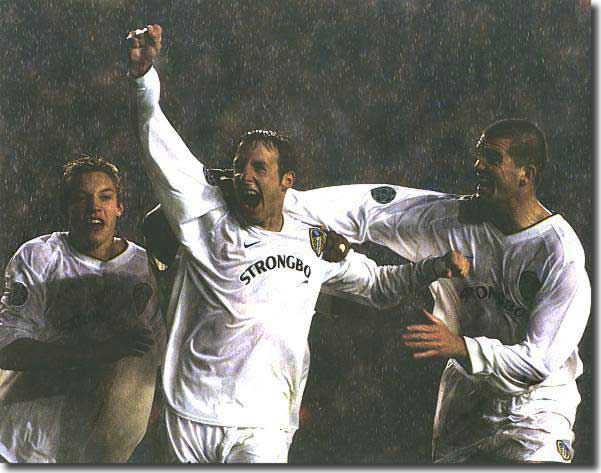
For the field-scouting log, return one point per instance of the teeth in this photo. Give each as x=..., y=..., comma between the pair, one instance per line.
x=251, y=197
x=95, y=220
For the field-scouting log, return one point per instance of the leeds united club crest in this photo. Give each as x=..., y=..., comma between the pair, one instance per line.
x=564, y=449
x=318, y=240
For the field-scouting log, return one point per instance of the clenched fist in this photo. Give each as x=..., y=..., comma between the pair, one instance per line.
x=337, y=247
x=144, y=47
x=453, y=264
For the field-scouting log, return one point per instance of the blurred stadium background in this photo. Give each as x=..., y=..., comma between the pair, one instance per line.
x=372, y=91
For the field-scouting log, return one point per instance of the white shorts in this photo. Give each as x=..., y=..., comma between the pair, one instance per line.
x=551, y=441
x=193, y=442
x=475, y=424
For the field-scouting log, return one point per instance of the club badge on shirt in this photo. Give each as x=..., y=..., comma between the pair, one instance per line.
x=317, y=237
x=15, y=295
x=383, y=194
x=563, y=447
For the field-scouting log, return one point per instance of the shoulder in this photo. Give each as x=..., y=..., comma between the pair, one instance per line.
x=137, y=250
x=136, y=259
x=39, y=254
x=561, y=243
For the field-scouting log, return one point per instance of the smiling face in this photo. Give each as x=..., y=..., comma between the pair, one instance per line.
x=93, y=208
x=259, y=189
x=500, y=179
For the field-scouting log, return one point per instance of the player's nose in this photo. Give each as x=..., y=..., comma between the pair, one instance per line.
x=94, y=203
x=247, y=174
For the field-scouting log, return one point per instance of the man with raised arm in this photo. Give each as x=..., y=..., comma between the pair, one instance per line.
x=81, y=334
x=247, y=280
x=511, y=328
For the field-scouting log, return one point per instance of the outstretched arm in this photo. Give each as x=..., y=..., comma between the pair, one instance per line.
x=176, y=175
x=392, y=216
x=362, y=280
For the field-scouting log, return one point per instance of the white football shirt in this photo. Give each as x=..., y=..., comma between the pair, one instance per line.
x=522, y=310
x=57, y=295
x=243, y=297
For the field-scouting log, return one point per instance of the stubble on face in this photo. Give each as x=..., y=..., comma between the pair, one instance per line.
x=496, y=172
x=259, y=189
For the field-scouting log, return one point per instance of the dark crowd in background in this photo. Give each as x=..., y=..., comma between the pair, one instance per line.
x=373, y=91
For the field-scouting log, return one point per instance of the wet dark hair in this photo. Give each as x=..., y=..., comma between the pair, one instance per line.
x=73, y=169
x=528, y=144
x=280, y=141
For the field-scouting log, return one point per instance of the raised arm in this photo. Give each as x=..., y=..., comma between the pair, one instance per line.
x=362, y=280
x=178, y=178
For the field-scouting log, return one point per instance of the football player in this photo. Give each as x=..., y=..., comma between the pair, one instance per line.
x=511, y=328
x=81, y=333
x=247, y=280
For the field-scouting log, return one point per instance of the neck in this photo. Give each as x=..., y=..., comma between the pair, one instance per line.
x=518, y=214
x=103, y=252
x=274, y=223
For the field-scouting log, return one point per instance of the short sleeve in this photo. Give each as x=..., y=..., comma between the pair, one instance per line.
x=23, y=303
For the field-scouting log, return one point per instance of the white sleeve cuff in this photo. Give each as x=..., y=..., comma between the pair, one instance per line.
x=148, y=80
x=474, y=352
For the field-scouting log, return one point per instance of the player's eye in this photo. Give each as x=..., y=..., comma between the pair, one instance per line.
x=492, y=156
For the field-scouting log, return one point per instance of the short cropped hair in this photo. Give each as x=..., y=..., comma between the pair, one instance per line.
x=528, y=144
x=75, y=168
x=280, y=141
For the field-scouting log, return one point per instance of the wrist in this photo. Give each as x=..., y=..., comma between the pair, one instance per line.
x=135, y=71
x=440, y=267
x=433, y=268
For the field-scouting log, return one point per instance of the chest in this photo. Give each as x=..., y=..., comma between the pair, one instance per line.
x=244, y=260
x=500, y=291
x=95, y=302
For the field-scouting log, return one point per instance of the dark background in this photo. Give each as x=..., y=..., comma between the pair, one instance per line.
x=372, y=91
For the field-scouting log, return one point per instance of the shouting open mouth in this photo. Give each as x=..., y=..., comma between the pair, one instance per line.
x=249, y=198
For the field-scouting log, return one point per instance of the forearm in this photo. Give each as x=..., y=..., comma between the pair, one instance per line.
x=512, y=369
x=381, y=286
x=26, y=354
x=391, y=284
x=176, y=175
x=126, y=404
x=162, y=146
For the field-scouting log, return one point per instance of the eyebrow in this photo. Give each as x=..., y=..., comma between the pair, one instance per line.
x=101, y=191
x=490, y=153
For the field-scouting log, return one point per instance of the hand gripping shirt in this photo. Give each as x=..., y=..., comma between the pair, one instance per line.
x=522, y=310
x=243, y=297
x=55, y=294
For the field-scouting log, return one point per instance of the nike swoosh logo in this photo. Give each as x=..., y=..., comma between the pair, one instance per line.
x=248, y=245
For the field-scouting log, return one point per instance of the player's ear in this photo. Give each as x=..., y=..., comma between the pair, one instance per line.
x=287, y=180
x=528, y=175
x=120, y=209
